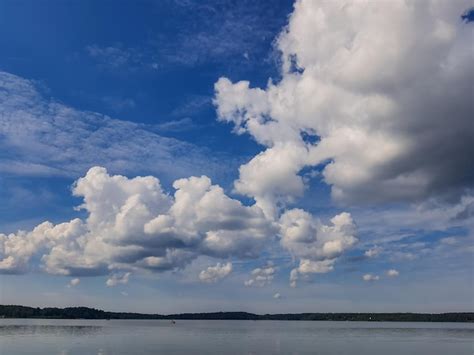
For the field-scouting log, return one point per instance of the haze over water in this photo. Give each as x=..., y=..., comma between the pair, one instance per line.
x=102, y=337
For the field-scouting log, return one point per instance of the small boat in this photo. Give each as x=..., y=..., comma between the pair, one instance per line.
x=173, y=322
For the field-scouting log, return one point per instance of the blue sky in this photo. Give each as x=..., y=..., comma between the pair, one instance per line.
x=332, y=174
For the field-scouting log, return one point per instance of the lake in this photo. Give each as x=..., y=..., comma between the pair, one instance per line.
x=116, y=337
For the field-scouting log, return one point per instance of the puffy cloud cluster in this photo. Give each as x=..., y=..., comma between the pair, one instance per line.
x=215, y=273
x=74, y=282
x=16, y=250
x=316, y=245
x=261, y=276
x=384, y=107
x=370, y=277
x=392, y=273
x=373, y=252
x=132, y=224
x=116, y=279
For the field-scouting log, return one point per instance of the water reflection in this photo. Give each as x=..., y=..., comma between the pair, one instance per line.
x=66, y=352
x=121, y=337
x=74, y=330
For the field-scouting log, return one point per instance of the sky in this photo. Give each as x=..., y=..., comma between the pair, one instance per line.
x=193, y=156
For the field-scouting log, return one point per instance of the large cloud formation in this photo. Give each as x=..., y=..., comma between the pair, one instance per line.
x=376, y=93
x=132, y=224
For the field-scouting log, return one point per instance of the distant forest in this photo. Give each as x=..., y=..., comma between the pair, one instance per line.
x=13, y=311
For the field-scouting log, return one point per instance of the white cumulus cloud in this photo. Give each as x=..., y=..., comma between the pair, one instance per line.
x=317, y=246
x=392, y=273
x=215, y=273
x=263, y=276
x=116, y=279
x=370, y=277
x=368, y=99
x=74, y=282
x=132, y=224
x=373, y=252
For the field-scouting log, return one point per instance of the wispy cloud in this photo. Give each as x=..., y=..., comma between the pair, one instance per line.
x=117, y=56
x=192, y=105
x=47, y=138
x=180, y=125
x=118, y=104
x=224, y=32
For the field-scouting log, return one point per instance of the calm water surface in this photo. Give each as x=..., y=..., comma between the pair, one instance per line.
x=116, y=337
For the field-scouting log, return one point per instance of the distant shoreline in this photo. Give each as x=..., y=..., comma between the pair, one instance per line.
x=16, y=311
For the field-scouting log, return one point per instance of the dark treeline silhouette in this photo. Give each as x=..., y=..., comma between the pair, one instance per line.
x=13, y=311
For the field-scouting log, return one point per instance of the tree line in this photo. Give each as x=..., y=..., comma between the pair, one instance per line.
x=14, y=311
